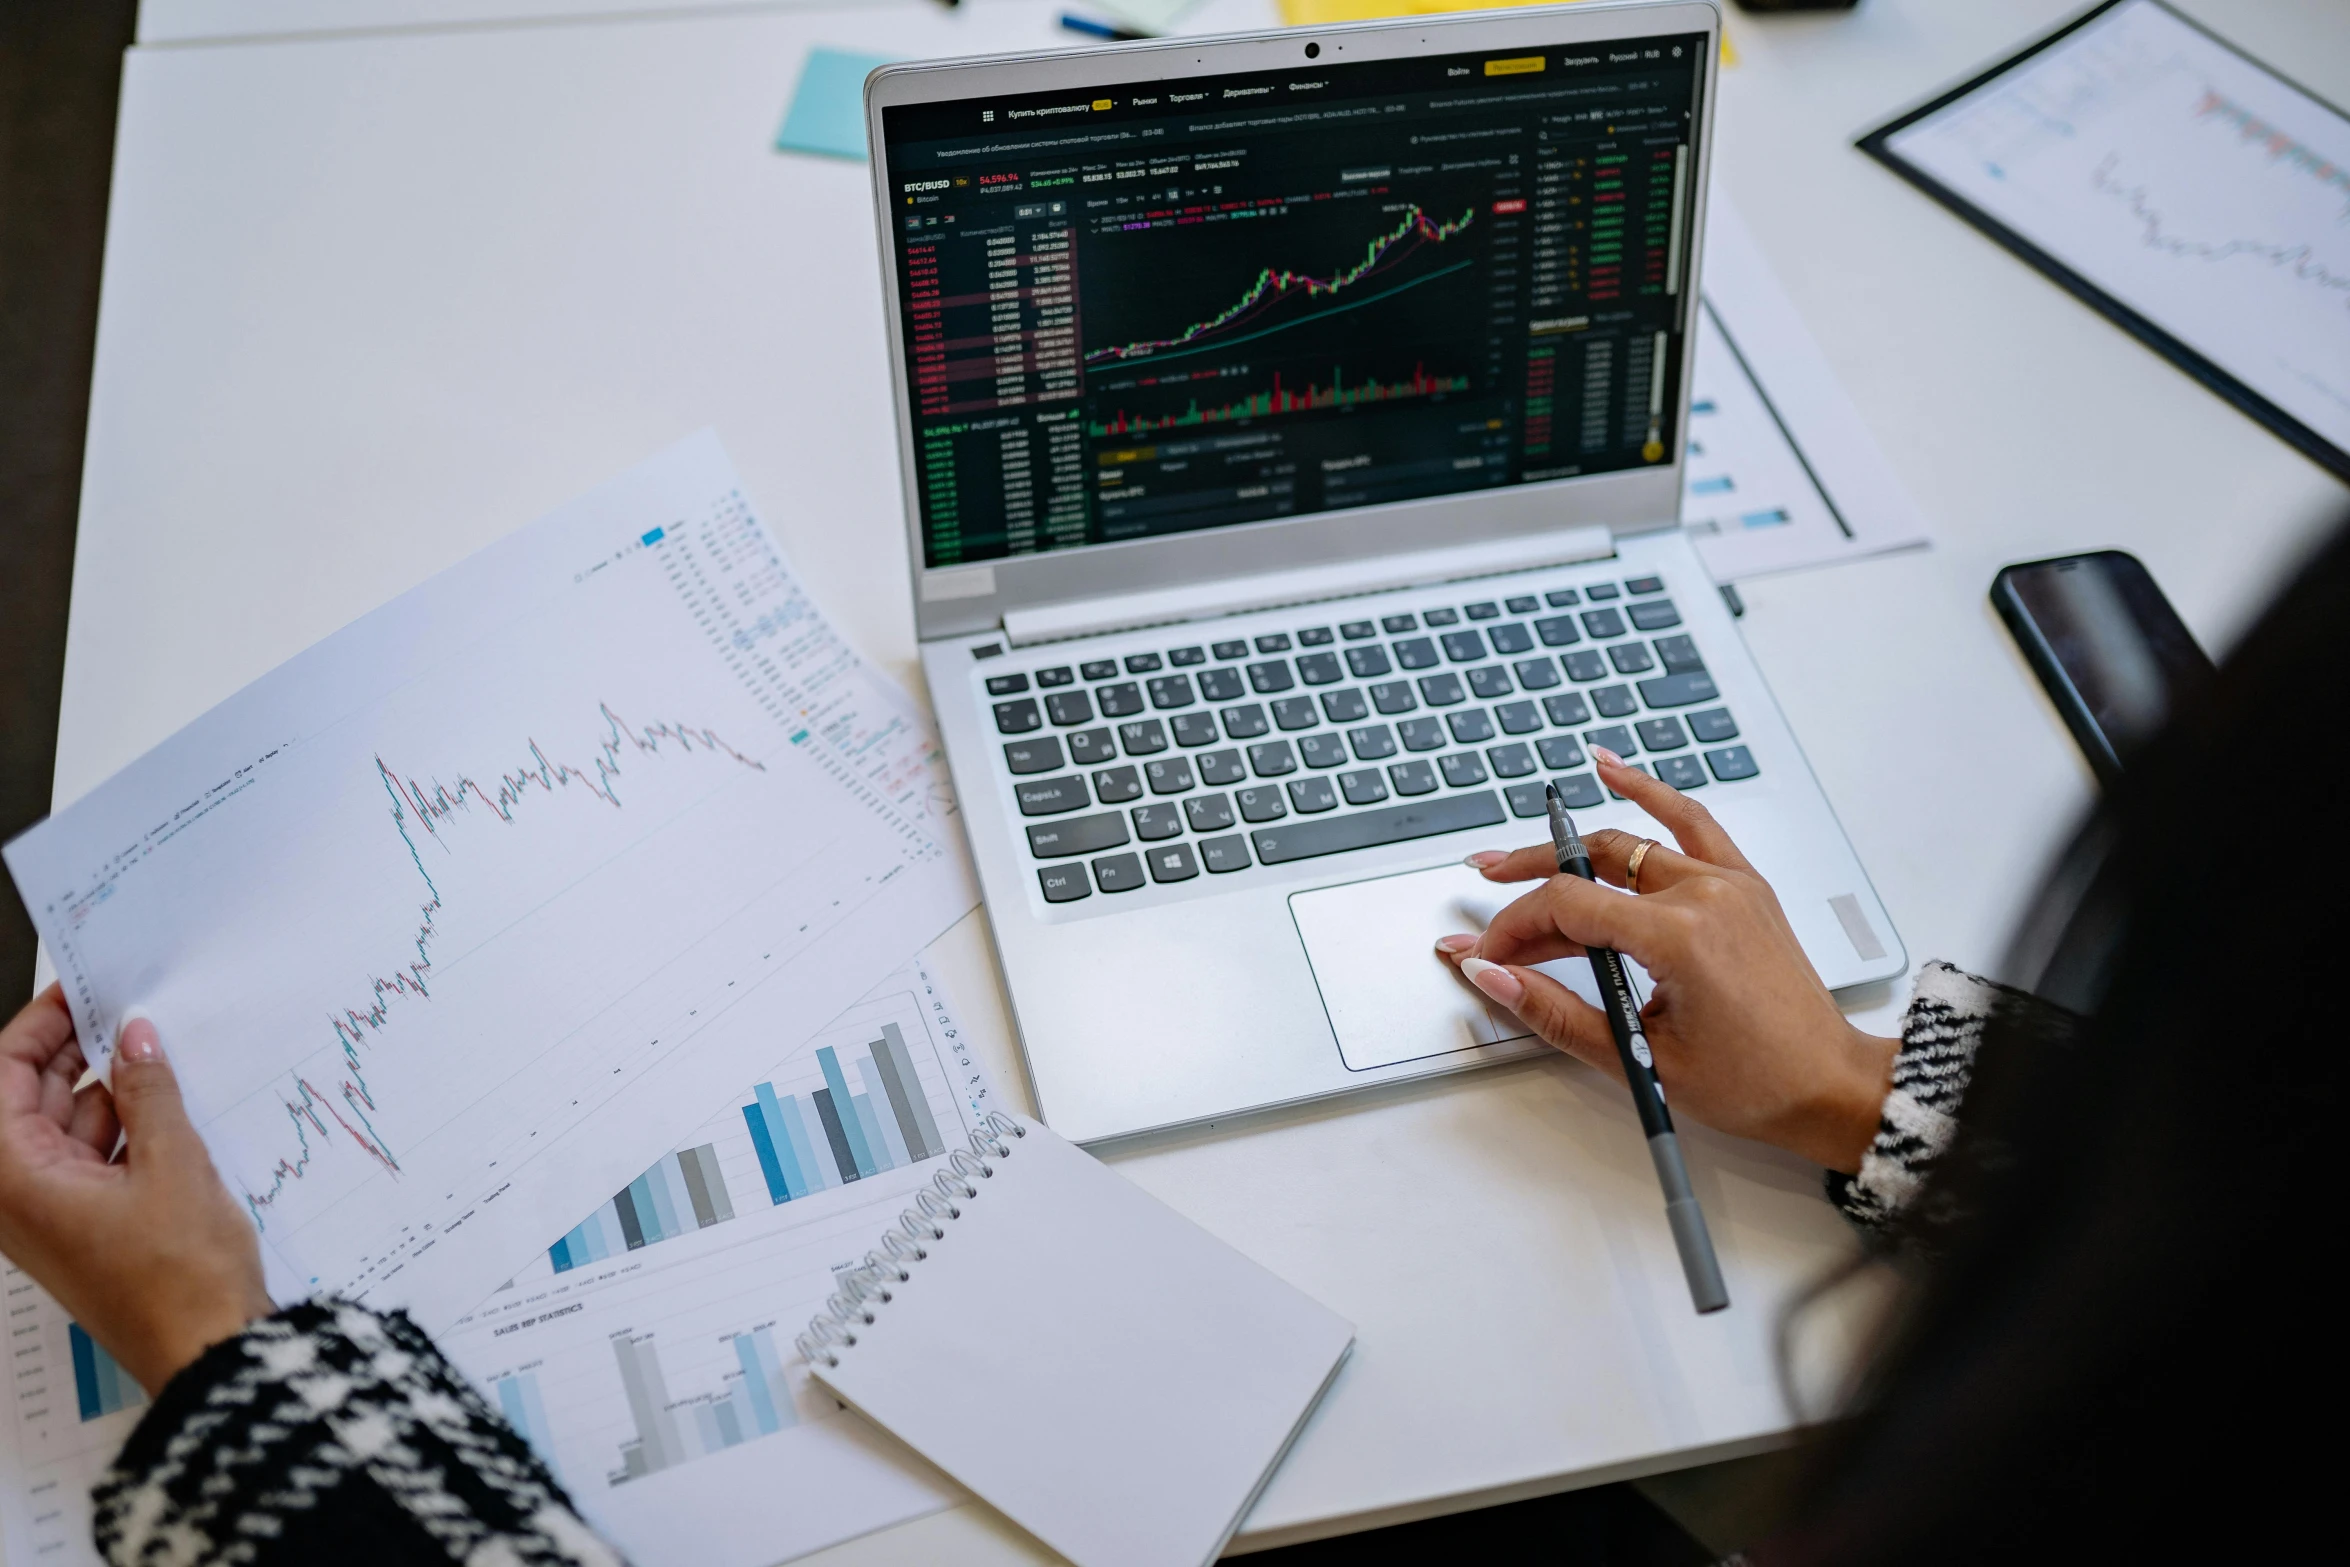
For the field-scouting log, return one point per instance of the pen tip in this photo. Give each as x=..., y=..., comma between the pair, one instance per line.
x=1550, y=791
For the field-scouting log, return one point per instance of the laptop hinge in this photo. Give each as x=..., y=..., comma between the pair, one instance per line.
x=1306, y=585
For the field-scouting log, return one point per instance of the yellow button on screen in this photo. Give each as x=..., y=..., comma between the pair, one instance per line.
x=1523, y=65
x=1101, y=103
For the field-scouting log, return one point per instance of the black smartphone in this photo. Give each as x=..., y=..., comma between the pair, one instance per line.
x=2113, y=654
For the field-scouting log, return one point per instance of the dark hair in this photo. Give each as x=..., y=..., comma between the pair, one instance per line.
x=2117, y=1336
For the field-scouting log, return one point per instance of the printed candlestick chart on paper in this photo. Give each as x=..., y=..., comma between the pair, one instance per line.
x=421, y=815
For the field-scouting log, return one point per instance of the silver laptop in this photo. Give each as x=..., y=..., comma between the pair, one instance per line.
x=1291, y=428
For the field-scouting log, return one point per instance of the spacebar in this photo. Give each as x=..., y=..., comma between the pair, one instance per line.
x=1368, y=829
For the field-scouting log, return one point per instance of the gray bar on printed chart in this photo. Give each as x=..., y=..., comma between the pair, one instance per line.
x=902, y=1059
x=648, y=1400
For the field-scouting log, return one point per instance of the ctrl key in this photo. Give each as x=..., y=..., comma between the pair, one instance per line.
x=1118, y=872
x=1064, y=883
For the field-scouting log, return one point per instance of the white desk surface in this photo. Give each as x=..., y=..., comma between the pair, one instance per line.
x=373, y=299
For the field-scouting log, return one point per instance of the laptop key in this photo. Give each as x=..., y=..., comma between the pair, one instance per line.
x=1512, y=638
x=1245, y=722
x=1657, y=616
x=1221, y=767
x=1470, y=726
x=1661, y=734
x=1017, y=718
x=1439, y=617
x=1117, y=785
x=1682, y=772
x=1536, y=674
x=1320, y=669
x=1185, y=657
x=1006, y=685
x=1368, y=663
x=1088, y=746
x=1171, y=691
x=1173, y=863
x=1525, y=605
x=1368, y=829
x=1296, y=712
x=1464, y=647
x=1557, y=631
x=1560, y=753
x=1510, y=761
x=1118, y=872
x=1261, y=804
x=1584, y=666
x=1344, y=707
x=1579, y=792
x=1172, y=776
x=1314, y=636
x=1422, y=734
x=1356, y=630
x=1322, y=750
x=1463, y=768
x=1052, y=796
x=1394, y=624
x=1143, y=737
x=1099, y=669
x=1077, y=835
x=1221, y=685
x=1526, y=800
x=1562, y=598
x=1272, y=758
x=1043, y=754
x=1631, y=658
x=1208, y=812
x=1069, y=707
x=1731, y=763
x=1195, y=729
x=1058, y=676
x=1312, y=796
x=1680, y=655
x=1490, y=681
x=1393, y=696
x=1123, y=700
x=1678, y=690
x=1442, y=690
x=1416, y=653
x=1272, y=677
x=1518, y=718
x=1238, y=649
x=1064, y=883
x=1141, y=663
x=1638, y=767
x=1223, y=855
x=1601, y=590
x=1363, y=788
x=1616, y=737
x=1485, y=611
x=1603, y=623
x=1275, y=642
x=1372, y=742
x=1153, y=822
x=1567, y=709
x=1711, y=726
x=1412, y=778
x=1644, y=584
x=1615, y=701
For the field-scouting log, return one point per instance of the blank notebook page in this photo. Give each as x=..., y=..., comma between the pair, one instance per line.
x=1104, y=1372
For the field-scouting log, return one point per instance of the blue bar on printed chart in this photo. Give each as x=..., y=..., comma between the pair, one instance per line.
x=100, y=1386
x=683, y=1192
x=526, y=1412
x=670, y=1431
x=835, y=1135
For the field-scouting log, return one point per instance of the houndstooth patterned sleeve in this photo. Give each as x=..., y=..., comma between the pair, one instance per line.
x=1939, y=1036
x=330, y=1432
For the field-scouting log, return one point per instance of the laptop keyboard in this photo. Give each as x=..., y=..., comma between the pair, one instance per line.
x=1213, y=756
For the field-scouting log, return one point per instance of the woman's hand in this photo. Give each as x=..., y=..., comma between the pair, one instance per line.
x=149, y=1253
x=1747, y=1040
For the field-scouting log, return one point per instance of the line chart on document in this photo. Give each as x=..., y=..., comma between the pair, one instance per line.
x=417, y=809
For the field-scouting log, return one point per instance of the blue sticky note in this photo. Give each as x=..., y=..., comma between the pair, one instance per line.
x=827, y=113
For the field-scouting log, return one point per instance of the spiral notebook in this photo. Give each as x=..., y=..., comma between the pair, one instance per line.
x=1104, y=1372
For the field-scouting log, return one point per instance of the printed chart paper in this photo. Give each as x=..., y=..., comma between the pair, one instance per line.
x=480, y=902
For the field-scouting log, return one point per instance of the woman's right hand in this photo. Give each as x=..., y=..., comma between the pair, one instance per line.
x=1746, y=1038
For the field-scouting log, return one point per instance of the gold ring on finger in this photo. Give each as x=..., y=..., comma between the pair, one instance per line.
x=1632, y=865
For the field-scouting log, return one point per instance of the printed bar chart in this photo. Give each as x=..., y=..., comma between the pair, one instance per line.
x=526, y=1411
x=754, y=1401
x=684, y=1191
x=100, y=1386
x=842, y=1135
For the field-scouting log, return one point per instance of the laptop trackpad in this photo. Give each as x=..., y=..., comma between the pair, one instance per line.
x=1391, y=997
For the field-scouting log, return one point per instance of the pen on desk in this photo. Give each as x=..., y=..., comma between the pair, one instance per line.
x=1698, y=1263
x=1093, y=29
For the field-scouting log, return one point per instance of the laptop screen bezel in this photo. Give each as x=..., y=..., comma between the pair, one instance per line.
x=957, y=600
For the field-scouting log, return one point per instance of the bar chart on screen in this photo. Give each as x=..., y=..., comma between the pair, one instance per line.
x=647, y=1356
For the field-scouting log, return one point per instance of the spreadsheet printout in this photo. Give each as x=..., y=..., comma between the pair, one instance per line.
x=477, y=904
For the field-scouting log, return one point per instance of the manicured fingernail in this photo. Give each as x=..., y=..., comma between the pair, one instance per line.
x=1497, y=982
x=1607, y=758
x=135, y=1040
x=1455, y=944
x=1485, y=859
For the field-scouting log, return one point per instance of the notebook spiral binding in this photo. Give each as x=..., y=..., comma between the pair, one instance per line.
x=903, y=1244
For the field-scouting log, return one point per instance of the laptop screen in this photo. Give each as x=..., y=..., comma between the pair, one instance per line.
x=1156, y=308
